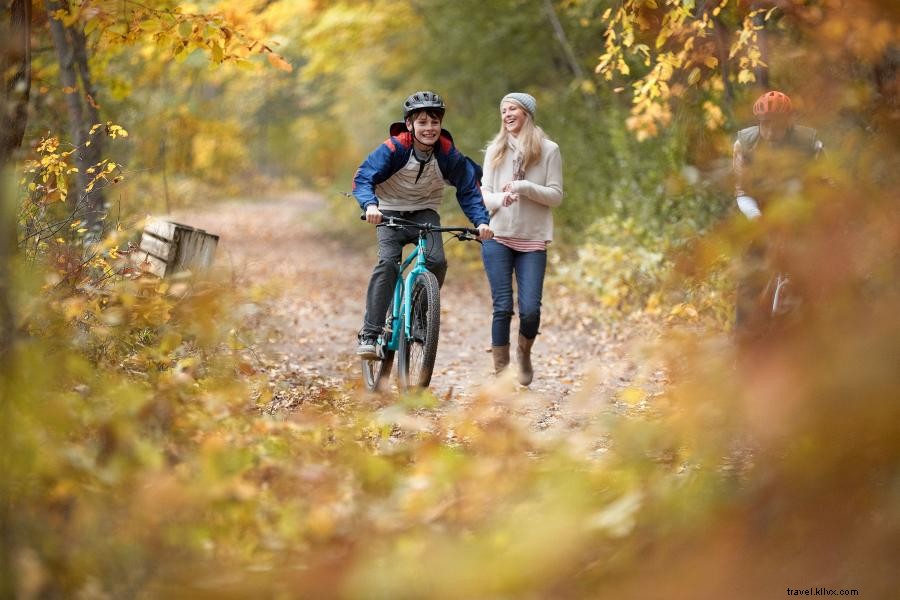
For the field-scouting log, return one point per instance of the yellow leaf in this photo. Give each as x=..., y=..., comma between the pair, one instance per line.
x=694, y=77
x=170, y=341
x=631, y=395
x=74, y=307
x=150, y=25
x=69, y=90
x=711, y=62
x=279, y=63
x=746, y=76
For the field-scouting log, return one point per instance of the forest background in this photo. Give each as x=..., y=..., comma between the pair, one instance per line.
x=138, y=455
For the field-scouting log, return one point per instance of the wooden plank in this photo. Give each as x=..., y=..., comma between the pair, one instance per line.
x=174, y=247
x=157, y=247
x=162, y=229
x=194, y=250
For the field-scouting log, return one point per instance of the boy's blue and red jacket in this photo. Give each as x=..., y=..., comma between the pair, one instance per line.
x=391, y=156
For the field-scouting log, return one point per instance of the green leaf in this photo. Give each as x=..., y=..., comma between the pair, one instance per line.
x=185, y=28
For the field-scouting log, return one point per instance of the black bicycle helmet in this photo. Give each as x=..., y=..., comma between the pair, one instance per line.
x=423, y=101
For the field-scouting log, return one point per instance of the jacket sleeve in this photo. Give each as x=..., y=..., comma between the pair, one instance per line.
x=738, y=168
x=493, y=199
x=374, y=170
x=463, y=176
x=551, y=193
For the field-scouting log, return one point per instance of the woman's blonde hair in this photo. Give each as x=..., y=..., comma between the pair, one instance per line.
x=528, y=141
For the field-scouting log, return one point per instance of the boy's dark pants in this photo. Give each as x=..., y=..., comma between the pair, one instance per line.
x=390, y=248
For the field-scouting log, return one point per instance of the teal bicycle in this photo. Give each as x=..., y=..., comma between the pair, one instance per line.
x=413, y=319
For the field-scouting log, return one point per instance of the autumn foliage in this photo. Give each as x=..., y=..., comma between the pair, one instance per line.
x=142, y=451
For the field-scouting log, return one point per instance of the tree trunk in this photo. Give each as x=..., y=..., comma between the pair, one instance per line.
x=7, y=367
x=563, y=40
x=74, y=73
x=762, y=72
x=15, y=67
x=722, y=43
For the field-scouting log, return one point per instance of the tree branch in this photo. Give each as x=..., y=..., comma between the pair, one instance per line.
x=563, y=40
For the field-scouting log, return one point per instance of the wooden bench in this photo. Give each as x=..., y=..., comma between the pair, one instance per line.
x=168, y=248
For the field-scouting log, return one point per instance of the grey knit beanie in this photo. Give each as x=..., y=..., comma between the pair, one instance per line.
x=526, y=100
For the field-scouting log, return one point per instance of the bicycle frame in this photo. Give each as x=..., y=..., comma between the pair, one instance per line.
x=781, y=282
x=397, y=335
x=403, y=294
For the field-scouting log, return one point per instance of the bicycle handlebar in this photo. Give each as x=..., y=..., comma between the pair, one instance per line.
x=461, y=233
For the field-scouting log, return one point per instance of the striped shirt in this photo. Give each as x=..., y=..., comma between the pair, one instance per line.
x=522, y=245
x=416, y=186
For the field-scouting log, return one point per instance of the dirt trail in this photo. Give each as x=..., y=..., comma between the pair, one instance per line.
x=312, y=289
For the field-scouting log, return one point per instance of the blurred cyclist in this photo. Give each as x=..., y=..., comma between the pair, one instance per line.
x=769, y=158
x=769, y=161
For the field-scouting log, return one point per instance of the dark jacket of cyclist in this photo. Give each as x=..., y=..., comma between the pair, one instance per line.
x=405, y=177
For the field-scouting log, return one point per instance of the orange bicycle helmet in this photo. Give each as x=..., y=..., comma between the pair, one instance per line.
x=772, y=103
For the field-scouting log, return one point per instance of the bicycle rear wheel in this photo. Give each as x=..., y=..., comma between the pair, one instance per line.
x=418, y=352
x=377, y=373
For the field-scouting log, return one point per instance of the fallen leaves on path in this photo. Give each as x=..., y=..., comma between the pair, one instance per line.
x=311, y=292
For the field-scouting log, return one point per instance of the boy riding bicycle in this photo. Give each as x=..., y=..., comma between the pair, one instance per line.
x=405, y=177
x=769, y=160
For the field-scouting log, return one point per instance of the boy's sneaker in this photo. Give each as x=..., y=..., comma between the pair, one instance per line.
x=366, y=348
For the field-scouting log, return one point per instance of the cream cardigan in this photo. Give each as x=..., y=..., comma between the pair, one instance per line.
x=530, y=218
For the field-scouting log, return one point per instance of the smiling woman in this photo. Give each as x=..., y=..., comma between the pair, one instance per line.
x=522, y=183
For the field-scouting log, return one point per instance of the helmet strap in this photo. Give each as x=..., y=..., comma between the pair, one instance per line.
x=412, y=130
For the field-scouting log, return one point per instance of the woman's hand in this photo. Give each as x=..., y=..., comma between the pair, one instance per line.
x=511, y=186
x=484, y=232
x=509, y=198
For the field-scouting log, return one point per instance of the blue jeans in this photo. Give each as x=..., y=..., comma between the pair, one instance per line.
x=500, y=262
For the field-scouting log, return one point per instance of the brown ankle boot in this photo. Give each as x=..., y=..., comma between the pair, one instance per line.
x=501, y=358
x=526, y=371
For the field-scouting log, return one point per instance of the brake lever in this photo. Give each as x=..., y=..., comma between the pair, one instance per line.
x=467, y=236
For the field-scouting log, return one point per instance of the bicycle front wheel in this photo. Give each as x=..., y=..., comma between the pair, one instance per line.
x=419, y=350
x=376, y=373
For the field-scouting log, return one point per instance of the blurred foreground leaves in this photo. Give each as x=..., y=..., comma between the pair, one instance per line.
x=142, y=457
